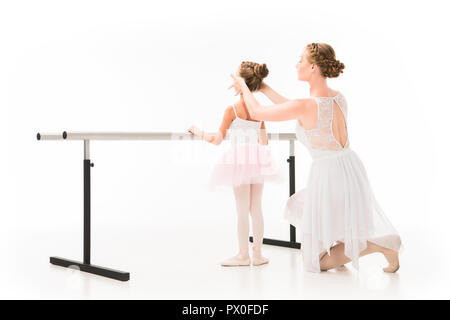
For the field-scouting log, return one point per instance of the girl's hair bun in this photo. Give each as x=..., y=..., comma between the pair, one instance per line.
x=261, y=70
x=253, y=74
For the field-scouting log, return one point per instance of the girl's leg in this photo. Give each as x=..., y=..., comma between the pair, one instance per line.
x=257, y=222
x=242, y=197
x=257, y=214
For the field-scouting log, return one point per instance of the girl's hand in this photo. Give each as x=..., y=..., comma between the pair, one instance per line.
x=193, y=129
x=208, y=138
x=238, y=84
x=205, y=136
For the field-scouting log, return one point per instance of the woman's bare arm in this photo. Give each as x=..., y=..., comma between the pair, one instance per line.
x=288, y=110
x=273, y=96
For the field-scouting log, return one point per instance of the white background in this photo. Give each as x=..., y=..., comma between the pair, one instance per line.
x=162, y=66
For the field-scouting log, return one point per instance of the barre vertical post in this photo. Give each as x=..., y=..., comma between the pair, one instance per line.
x=87, y=204
x=86, y=265
x=292, y=242
x=291, y=161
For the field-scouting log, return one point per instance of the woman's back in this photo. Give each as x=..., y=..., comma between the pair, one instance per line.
x=329, y=131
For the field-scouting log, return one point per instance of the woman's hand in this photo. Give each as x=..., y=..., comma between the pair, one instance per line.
x=238, y=83
x=263, y=87
x=241, y=87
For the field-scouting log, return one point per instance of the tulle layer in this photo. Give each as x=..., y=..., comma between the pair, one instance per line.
x=245, y=163
x=338, y=204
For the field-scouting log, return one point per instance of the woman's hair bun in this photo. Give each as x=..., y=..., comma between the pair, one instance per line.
x=333, y=68
x=324, y=56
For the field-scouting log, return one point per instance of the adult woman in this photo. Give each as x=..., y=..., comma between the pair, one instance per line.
x=337, y=205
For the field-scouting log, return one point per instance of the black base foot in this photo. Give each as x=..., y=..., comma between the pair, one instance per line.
x=90, y=268
x=280, y=243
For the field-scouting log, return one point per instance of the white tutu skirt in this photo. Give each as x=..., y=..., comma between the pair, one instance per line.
x=245, y=163
x=338, y=204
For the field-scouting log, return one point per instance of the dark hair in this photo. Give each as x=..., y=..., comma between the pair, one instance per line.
x=324, y=56
x=253, y=74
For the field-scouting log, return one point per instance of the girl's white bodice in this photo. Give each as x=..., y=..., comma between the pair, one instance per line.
x=243, y=131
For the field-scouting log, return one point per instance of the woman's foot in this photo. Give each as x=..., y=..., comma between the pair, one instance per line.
x=392, y=257
x=258, y=259
x=240, y=259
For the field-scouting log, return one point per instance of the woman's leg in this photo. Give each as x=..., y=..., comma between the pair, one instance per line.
x=338, y=258
x=257, y=222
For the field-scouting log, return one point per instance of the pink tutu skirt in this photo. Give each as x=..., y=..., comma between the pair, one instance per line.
x=245, y=163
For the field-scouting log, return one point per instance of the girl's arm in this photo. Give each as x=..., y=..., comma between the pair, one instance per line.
x=273, y=96
x=262, y=138
x=219, y=136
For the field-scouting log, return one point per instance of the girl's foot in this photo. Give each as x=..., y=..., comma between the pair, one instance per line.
x=392, y=257
x=258, y=259
x=238, y=260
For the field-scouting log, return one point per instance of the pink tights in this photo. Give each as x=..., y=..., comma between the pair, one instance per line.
x=248, y=200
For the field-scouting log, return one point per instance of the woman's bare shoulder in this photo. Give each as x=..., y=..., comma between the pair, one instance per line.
x=335, y=92
x=306, y=103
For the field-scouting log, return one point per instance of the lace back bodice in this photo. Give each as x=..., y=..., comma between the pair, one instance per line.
x=321, y=137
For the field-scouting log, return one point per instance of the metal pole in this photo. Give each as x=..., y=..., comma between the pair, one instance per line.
x=87, y=205
x=86, y=265
x=185, y=136
x=291, y=243
x=291, y=161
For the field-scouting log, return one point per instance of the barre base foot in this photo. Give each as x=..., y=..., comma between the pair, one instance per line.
x=280, y=243
x=90, y=268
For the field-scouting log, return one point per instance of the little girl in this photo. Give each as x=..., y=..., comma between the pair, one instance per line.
x=244, y=166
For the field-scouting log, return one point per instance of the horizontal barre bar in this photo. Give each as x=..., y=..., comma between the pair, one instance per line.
x=49, y=136
x=142, y=136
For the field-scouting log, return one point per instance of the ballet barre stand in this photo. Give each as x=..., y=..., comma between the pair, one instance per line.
x=86, y=265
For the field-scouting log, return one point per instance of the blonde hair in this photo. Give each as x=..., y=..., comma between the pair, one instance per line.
x=253, y=74
x=324, y=56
